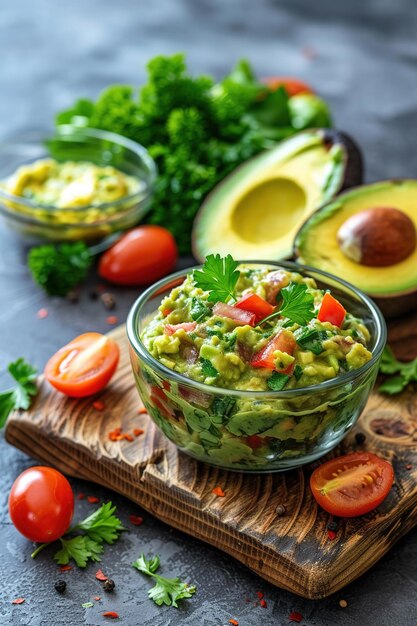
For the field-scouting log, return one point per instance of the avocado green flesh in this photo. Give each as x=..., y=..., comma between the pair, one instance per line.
x=256, y=211
x=317, y=245
x=218, y=428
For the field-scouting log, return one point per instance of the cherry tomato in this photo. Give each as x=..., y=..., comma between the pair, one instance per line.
x=41, y=504
x=353, y=484
x=84, y=366
x=284, y=342
x=255, y=304
x=140, y=257
x=293, y=86
x=331, y=311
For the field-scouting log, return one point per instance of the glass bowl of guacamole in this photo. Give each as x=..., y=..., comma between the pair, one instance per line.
x=76, y=183
x=270, y=378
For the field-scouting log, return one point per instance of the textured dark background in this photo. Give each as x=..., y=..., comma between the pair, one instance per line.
x=362, y=57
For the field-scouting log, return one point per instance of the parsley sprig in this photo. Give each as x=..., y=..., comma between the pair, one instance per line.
x=297, y=305
x=218, y=276
x=100, y=527
x=401, y=373
x=19, y=396
x=166, y=590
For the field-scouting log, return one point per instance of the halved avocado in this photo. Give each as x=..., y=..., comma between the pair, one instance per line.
x=257, y=210
x=368, y=237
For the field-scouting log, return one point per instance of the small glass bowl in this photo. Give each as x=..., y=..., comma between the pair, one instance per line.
x=292, y=427
x=39, y=222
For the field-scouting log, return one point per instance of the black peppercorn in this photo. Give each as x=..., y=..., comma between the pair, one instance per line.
x=109, y=585
x=360, y=438
x=333, y=525
x=108, y=300
x=60, y=586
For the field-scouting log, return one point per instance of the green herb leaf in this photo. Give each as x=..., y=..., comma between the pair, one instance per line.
x=199, y=310
x=167, y=591
x=208, y=369
x=406, y=372
x=311, y=339
x=20, y=396
x=102, y=525
x=218, y=276
x=58, y=269
x=297, y=305
x=87, y=605
x=277, y=381
x=298, y=372
x=223, y=406
x=80, y=548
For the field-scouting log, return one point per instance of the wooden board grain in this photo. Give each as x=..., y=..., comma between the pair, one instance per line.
x=292, y=551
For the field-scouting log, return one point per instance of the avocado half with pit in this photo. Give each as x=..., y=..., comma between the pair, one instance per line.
x=256, y=211
x=368, y=237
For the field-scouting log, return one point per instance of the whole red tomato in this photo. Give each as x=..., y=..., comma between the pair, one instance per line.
x=41, y=504
x=140, y=257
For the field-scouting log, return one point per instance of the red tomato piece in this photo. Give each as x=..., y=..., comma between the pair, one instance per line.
x=187, y=326
x=84, y=366
x=331, y=311
x=255, y=304
x=140, y=257
x=277, y=280
x=353, y=484
x=293, y=86
x=237, y=315
x=284, y=342
x=41, y=504
x=255, y=441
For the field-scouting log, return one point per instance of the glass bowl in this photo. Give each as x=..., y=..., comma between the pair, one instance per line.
x=215, y=425
x=42, y=222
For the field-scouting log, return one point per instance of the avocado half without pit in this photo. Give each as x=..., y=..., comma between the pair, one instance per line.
x=368, y=236
x=257, y=210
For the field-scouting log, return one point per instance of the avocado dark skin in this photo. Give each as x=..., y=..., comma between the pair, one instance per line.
x=354, y=163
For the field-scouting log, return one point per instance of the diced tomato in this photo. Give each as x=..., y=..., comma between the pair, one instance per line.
x=284, y=342
x=162, y=406
x=255, y=441
x=158, y=392
x=276, y=281
x=195, y=396
x=237, y=315
x=331, y=311
x=187, y=326
x=255, y=304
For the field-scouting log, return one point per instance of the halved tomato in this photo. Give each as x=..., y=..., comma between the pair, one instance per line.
x=84, y=366
x=284, y=342
x=353, y=484
x=255, y=304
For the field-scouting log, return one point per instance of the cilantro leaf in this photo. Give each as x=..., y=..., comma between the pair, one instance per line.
x=166, y=590
x=298, y=372
x=207, y=368
x=218, y=276
x=312, y=339
x=405, y=372
x=297, y=305
x=102, y=525
x=277, y=381
x=19, y=397
x=80, y=549
x=198, y=309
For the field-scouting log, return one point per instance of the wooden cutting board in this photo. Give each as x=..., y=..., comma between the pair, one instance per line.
x=292, y=551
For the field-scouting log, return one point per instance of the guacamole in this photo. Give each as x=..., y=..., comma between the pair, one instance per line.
x=70, y=184
x=247, y=345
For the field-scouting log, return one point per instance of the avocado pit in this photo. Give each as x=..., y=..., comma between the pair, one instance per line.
x=377, y=237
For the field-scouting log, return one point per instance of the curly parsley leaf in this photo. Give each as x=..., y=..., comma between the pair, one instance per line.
x=297, y=305
x=20, y=396
x=218, y=276
x=102, y=525
x=405, y=372
x=166, y=590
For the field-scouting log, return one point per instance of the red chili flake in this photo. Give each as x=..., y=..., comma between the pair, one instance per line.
x=260, y=595
x=136, y=520
x=295, y=616
x=101, y=576
x=127, y=437
x=18, y=601
x=331, y=535
x=247, y=599
x=81, y=496
x=99, y=405
x=138, y=431
x=234, y=622
x=218, y=491
x=93, y=499
x=166, y=312
x=263, y=603
x=116, y=434
x=142, y=411
x=97, y=598
x=42, y=313
x=112, y=319
x=111, y=614
x=65, y=568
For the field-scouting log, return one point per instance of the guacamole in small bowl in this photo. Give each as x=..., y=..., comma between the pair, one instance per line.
x=255, y=366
